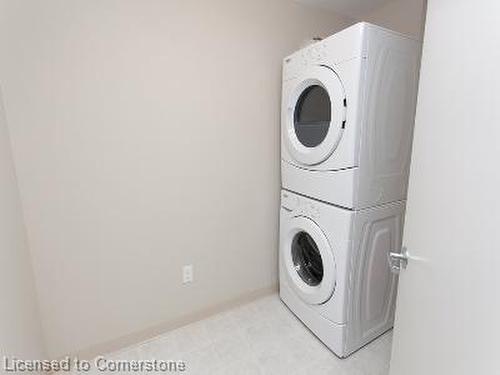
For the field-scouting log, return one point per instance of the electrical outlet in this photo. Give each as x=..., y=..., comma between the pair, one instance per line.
x=187, y=274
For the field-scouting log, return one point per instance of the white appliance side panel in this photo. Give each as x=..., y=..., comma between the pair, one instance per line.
x=377, y=232
x=390, y=100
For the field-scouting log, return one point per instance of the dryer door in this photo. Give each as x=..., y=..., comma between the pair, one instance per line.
x=309, y=261
x=315, y=116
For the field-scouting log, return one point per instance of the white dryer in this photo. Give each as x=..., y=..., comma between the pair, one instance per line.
x=334, y=269
x=348, y=108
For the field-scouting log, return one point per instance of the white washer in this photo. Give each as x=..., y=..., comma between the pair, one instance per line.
x=334, y=268
x=347, y=117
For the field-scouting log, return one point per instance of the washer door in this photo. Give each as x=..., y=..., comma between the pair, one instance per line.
x=315, y=116
x=309, y=261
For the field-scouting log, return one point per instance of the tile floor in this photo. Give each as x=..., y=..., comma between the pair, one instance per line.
x=260, y=338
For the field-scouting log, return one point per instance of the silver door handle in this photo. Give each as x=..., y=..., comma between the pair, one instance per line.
x=398, y=261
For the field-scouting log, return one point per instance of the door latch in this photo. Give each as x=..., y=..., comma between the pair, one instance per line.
x=398, y=261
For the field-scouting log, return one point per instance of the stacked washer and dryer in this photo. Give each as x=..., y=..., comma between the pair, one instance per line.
x=347, y=122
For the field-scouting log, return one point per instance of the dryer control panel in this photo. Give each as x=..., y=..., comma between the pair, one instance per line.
x=294, y=65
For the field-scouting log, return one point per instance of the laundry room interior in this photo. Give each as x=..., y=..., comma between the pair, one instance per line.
x=249, y=187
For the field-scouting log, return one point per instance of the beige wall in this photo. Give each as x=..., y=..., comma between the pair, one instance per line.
x=405, y=16
x=146, y=137
x=20, y=331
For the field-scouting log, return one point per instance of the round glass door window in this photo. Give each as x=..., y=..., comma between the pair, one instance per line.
x=307, y=259
x=312, y=116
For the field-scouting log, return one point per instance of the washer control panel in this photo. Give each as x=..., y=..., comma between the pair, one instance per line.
x=289, y=201
x=300, y=206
